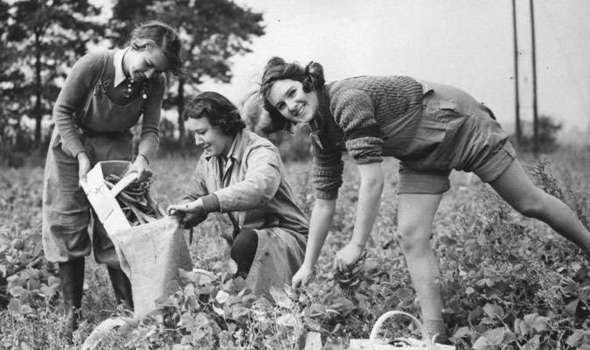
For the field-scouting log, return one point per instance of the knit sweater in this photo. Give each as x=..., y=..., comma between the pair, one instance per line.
x=78, y=91
x=370, y=117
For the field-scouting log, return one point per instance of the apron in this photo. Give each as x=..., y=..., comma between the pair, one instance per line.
x=66, y=211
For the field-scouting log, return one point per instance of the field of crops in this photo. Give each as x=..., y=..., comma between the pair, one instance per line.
x=508, y=282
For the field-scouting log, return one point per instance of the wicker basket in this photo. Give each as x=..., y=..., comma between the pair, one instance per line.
x=374, y=343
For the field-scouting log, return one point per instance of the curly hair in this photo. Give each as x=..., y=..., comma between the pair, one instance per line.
x=310, y=76
x=220, y=112
x=161, y=35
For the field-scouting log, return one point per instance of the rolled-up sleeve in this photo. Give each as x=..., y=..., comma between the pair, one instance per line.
x=260, y=184
x=354, y=113
x=326, y=171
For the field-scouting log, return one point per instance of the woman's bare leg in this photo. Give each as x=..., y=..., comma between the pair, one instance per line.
x=415, y=217
x=518, y=190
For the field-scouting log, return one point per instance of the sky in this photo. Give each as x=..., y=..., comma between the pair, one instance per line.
x=465, y=43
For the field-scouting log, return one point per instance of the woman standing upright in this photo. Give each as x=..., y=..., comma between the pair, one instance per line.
x=432, y=129
x=103, y=96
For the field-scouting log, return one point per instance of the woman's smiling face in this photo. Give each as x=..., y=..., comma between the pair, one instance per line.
x=145, y=63
x=211, y=139
x=288, y=97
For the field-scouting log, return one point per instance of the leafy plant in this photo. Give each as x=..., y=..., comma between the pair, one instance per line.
x=508, y=282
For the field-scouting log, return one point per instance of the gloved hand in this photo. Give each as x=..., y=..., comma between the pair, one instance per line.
x=189, y=214
x=192, y=219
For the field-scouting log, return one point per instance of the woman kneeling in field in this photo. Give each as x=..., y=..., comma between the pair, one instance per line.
x=240, y=175
x=432, y=129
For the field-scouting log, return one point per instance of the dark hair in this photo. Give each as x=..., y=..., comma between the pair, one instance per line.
x=311, y=76
x=218, y=110
x=161, y=35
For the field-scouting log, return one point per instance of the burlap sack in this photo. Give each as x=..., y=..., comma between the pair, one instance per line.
x=150, y=255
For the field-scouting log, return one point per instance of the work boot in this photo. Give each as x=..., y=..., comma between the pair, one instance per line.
x=71, y=274
x=121, y=287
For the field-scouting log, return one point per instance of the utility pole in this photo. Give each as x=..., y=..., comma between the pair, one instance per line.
x=517, y=126
x=535, y=115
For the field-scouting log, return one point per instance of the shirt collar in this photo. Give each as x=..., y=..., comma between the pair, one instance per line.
x=232, y=150
x=118, y=62
x=236, y=149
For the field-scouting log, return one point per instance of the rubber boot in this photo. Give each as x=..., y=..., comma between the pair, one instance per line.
x=71, y=274
x=121, y=287
x=243, y=251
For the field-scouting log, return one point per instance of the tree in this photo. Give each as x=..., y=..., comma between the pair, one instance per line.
x=8, y=94
x=49, y=35
x=212, y=32
x=127, y=14
x=546, y=137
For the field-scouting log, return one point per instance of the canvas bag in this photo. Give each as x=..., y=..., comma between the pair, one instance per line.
x=150, y=255
x=374, y=343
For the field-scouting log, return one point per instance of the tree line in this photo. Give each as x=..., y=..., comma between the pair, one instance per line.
x=41, y=40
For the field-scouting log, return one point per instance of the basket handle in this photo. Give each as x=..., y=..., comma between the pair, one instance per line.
x=385, y=316
x=124, y=182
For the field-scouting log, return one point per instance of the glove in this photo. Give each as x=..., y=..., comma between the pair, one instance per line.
x=192, y=219
x=189, y=214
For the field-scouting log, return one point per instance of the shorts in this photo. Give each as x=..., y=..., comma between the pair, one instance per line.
x=455, y=132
